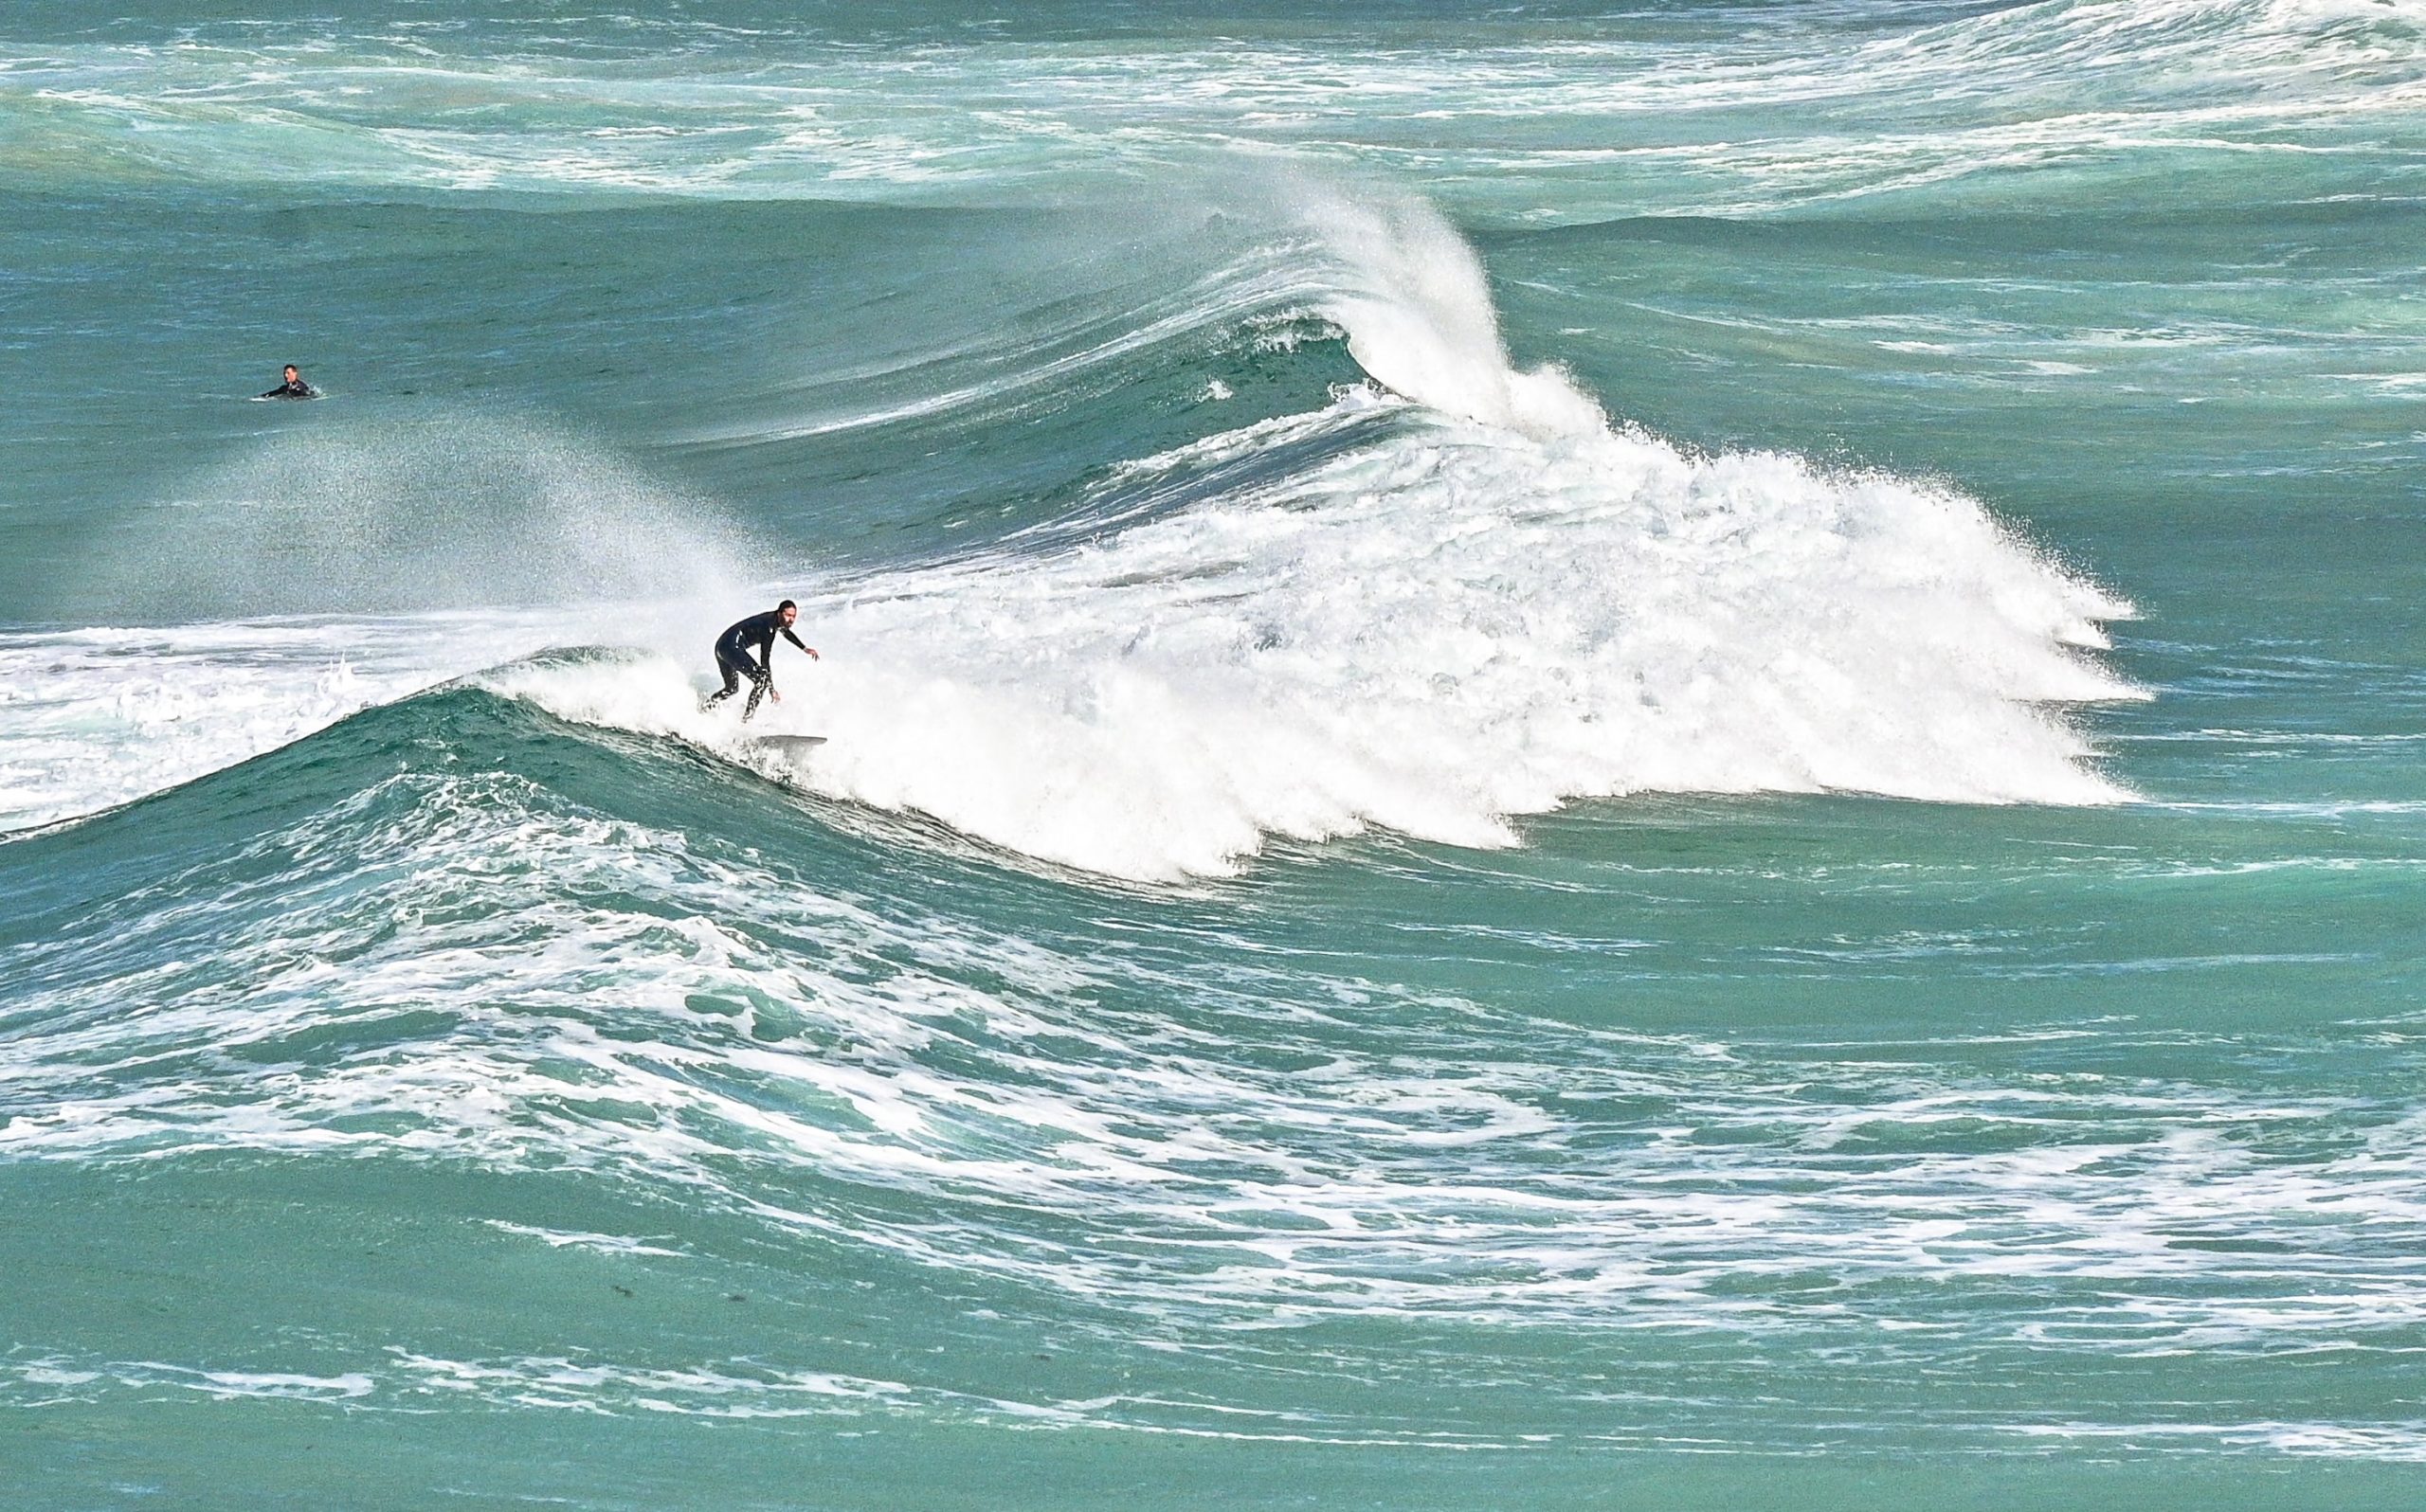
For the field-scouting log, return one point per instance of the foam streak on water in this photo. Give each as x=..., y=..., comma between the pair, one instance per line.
x=1196, y=1150
x=1323, y=1191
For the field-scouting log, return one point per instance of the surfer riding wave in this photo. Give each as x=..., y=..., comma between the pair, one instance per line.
x=736, y=662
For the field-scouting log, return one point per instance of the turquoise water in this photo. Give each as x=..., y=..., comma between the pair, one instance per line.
x=1576, y=756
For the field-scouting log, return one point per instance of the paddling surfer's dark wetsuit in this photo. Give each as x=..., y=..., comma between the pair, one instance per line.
x=294, y=388
x=734, y=662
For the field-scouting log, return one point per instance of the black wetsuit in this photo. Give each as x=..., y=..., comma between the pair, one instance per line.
x=297, y=390
x=734, y=662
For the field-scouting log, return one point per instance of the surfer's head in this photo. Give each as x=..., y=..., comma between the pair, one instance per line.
x=292, y=372
x=789, y=610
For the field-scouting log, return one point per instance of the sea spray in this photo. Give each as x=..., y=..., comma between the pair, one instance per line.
x=1410, y=293
x=422, y=511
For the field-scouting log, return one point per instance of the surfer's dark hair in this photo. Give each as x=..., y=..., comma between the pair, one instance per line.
x=787, y=605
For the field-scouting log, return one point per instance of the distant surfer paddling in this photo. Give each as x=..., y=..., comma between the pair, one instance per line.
x=294, y=388
x=735, y=660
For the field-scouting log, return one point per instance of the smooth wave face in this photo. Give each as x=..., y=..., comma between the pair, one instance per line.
x=1569, y=756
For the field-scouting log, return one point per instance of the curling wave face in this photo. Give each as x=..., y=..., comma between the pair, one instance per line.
x=1482, y=602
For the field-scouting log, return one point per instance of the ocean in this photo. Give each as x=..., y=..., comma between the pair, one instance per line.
x=1654, y=755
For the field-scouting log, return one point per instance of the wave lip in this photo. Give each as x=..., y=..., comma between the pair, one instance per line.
x=102, y=715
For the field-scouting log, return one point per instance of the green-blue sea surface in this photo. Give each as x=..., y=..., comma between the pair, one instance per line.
x=1576, y=756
